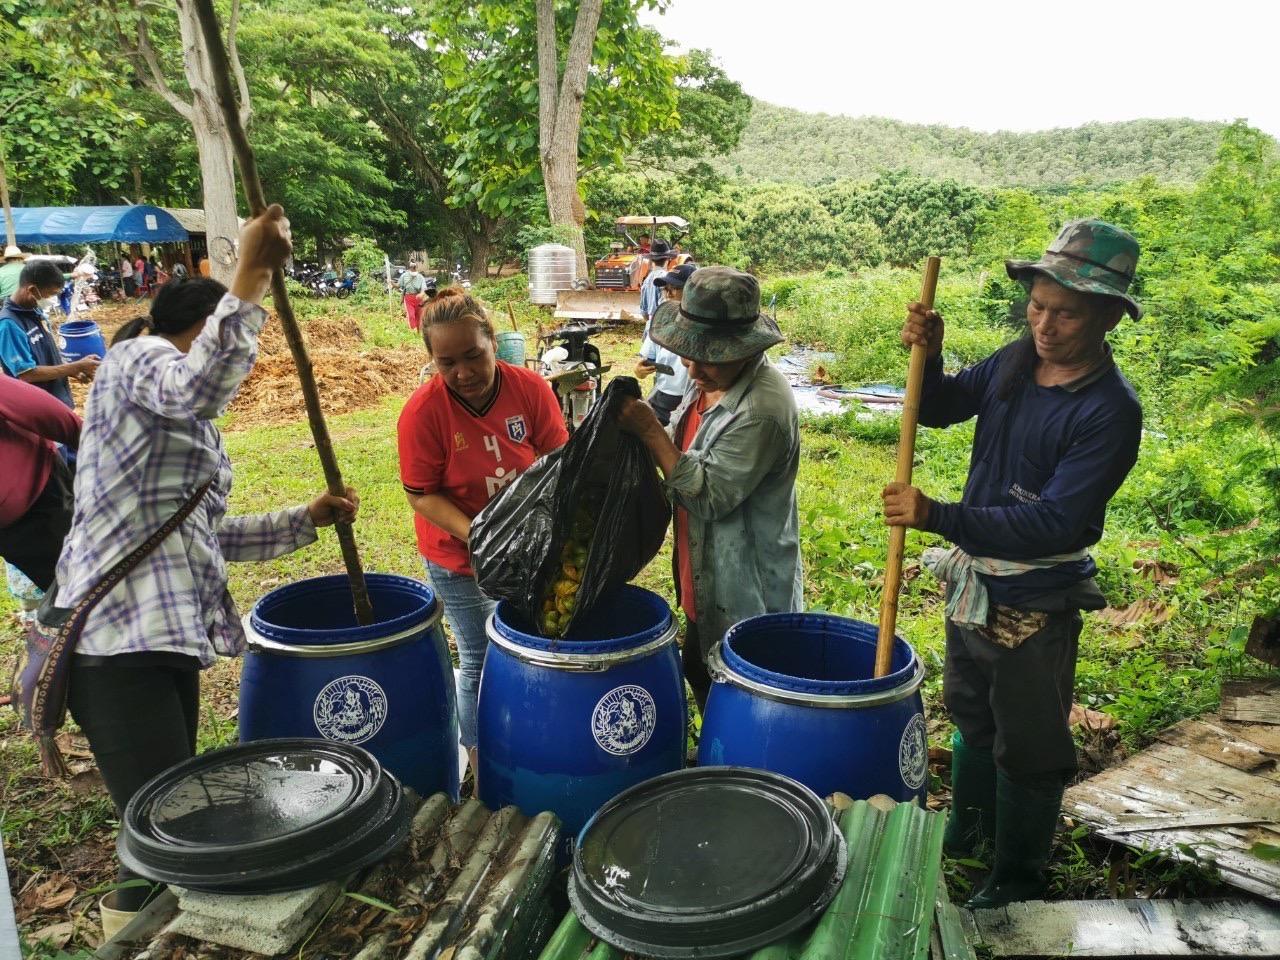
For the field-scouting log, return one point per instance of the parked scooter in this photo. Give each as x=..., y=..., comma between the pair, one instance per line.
x=572, y=365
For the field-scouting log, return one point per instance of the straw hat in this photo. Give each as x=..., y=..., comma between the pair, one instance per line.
x=13, y=253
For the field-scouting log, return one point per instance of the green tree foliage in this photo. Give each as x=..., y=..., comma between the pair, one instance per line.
x=487, y=56
x=712, y=110
x=59, y=112
x=791, y=146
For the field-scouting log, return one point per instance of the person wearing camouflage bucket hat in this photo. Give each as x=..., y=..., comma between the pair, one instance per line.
x=1091, y=256
x=729, y=462
x=718, y=319
x=1057, y=432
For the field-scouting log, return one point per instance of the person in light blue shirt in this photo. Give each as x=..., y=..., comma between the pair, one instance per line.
x=650, y=296
x=668, y=388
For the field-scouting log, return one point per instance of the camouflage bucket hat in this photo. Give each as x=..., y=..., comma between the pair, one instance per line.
x=718, y=320
x=1091, y=256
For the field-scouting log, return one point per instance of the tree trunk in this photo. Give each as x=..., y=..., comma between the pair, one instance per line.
x=479, y=248
x=137, y=182
x=213, y=147
x=560, y=100
x=11, y=238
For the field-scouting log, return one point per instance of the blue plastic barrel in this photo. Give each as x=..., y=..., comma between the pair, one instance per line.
x=794, y=693
x=78, y=339
x=565, y=725
x=312, y=671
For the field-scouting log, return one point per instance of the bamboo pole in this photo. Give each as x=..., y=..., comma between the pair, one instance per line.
x=217, y=53
x=906, y=459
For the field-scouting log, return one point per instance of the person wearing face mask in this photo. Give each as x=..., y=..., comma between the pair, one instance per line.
x=464, y=435
x=27, y=348
x=729, y=461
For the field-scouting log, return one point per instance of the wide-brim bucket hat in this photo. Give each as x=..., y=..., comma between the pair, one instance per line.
x=718, y=320
x=1091, y=256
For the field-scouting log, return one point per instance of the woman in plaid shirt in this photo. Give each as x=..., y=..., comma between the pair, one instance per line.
x=148, y=443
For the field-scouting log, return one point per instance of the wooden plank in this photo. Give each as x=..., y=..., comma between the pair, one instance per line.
x=1167, y=781
x=1251, y=701
x=1131, y=928
x=1221, y=742
x=1180, y=821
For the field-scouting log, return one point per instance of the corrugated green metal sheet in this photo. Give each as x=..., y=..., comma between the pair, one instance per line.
x=884, y=910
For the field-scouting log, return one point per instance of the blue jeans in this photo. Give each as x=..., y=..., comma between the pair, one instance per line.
x=466, y=610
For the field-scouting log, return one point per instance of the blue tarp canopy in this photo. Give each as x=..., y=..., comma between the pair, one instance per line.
x=136, y=224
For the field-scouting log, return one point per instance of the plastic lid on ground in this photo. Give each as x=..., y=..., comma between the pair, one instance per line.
x=271, y=814
x=708, y=862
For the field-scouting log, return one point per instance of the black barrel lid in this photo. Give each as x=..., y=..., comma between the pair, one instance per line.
x=271, y=814
x=707, y=862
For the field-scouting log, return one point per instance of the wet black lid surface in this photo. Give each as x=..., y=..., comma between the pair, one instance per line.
x=710, y=862
x=266, y=815
x=263, y=797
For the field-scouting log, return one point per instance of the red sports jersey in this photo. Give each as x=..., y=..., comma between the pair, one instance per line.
x=446, y=447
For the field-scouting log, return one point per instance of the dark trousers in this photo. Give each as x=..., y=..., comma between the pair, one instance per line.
x=140, y=717
x=33, y=543
x=1016, y=703
x=695, y=667
x=664, y=404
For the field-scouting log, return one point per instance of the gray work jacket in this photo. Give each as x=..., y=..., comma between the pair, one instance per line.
x=738, y=483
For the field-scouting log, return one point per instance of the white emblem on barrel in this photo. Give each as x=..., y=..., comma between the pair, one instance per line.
x=350, y=709
x=623, y=720
x=913, y=753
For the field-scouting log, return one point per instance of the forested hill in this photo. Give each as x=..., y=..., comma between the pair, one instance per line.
x=790, y=146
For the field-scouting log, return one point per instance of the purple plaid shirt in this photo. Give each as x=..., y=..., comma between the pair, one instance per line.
x=148, y=443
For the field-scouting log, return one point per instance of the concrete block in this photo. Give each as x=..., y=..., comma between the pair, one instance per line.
x=269, y=923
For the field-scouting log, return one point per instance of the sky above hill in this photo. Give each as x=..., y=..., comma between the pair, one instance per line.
x=996, y=64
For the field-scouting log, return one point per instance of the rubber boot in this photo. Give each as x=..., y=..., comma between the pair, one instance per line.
x=973, y=799
x=1026, y=817
x=113, y=920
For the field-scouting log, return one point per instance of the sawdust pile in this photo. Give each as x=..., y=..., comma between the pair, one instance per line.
x=347, y=376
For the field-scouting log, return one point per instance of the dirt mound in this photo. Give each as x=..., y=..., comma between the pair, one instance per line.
x=346, y=379
x=347, y=376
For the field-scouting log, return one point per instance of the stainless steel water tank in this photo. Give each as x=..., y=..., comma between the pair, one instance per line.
x=552, y=267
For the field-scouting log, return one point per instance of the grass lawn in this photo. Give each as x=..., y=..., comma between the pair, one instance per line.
x=57, y=835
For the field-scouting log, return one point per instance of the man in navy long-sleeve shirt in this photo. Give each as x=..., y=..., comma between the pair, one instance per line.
x=1057, y=431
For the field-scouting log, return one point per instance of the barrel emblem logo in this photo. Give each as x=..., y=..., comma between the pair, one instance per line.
x=624, y=720
x=913, y=753
x=350, y=709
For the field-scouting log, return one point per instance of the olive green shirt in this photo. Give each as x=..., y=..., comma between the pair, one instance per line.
x=738, y=483
x=9, y=278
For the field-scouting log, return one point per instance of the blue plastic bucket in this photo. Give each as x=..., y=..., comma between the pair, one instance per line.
x=794, y=693
x=311, y=671
x=78, y=339
x=565, y=725
x=511, y=347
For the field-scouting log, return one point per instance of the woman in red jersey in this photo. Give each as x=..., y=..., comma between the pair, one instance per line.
x=465, y=434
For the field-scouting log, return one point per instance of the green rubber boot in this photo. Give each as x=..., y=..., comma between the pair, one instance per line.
x=1026, y=818
x=973, y=799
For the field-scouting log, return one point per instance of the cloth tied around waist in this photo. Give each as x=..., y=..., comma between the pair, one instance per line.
x=968, y=604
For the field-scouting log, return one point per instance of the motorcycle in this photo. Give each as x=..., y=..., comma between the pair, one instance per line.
x=572, y=365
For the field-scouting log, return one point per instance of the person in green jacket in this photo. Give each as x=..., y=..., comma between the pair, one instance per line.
x=729, y=462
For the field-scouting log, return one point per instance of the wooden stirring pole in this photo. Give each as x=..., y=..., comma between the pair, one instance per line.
x=297, y=346
x=906, y=459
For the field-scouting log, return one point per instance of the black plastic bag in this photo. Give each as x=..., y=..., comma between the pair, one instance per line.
x=518, y=538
